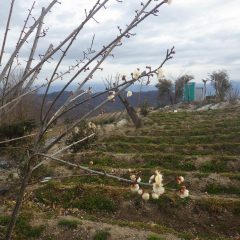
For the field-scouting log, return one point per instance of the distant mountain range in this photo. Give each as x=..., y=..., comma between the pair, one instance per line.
x=98, y=87
x=148, y=94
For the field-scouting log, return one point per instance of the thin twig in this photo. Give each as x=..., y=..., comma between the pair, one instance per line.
x=6, y=31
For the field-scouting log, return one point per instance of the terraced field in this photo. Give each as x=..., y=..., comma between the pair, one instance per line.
x=204, y=147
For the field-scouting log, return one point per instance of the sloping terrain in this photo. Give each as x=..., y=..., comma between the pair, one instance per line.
x=204, y=147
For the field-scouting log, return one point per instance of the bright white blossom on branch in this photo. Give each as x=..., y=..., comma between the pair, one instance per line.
x=129, y=93
x=111, y=96
x=158, y=177
x=180, y=180
x=133, y=177
x=140, y=192
x=169, y=1
x=155, y=196
x=146, y=196
x=134, y=187
x=158, y=189
x=136, y=74
x=183, y=192
x=151, y=179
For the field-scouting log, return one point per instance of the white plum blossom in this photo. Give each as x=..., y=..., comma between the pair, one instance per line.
x=140, y=191
x=133, y=177
x=139, y=179
x=169, y=2
x=158, y=177
x=145, y=196
x=136, y=74
x=183, y=192
x=158, y=189
x=134, y=187
x=151, y=179
x=129, y=93
x=111, y=96
x=155, y=196
x=180, y=180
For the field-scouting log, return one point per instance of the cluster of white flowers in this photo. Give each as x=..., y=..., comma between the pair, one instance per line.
x=136, y=74
x=111, y=96
x=158, y=189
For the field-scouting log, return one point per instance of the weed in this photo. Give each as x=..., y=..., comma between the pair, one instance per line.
x=23, y=229
x=70, y=224
x=101, y=235
x=155, y=237
x=217, y=189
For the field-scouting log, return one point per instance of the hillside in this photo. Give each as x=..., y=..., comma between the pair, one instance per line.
x=202, y=146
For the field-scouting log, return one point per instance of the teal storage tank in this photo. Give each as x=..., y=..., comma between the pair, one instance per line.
x=189, y=92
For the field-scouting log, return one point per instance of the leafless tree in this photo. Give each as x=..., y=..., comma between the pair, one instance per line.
x=113, y=84
x=173, y=89
x=233, y=95
x=89, y=63
x=205, y=87
x=221, y=83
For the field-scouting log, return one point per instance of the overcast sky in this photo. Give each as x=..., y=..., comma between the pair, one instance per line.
x=205, y=33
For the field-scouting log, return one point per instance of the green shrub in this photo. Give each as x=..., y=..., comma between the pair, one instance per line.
x=76, y=197
x=70, y=224
x=101, y=235
x=14, y=130
x=23, y=229
x=213, y=166
x=95, y=201
x=155, y=237
x=144, y=109
x=217, y=189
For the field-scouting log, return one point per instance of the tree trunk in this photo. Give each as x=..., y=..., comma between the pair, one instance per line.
x=19, y=201
x=131, y=112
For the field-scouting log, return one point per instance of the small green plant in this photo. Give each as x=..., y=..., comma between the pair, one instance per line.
x=23, y=229
x=97, y=201
x=155, y=237
x=218, y=189
x=144, y=109
x=101, y=235
x=70, y=224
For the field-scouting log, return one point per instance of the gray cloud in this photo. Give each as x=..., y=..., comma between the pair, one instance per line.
x=206, y=34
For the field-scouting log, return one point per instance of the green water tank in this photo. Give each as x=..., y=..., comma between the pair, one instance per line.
x=189, y=92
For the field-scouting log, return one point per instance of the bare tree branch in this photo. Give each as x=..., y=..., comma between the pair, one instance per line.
x=6, y=31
